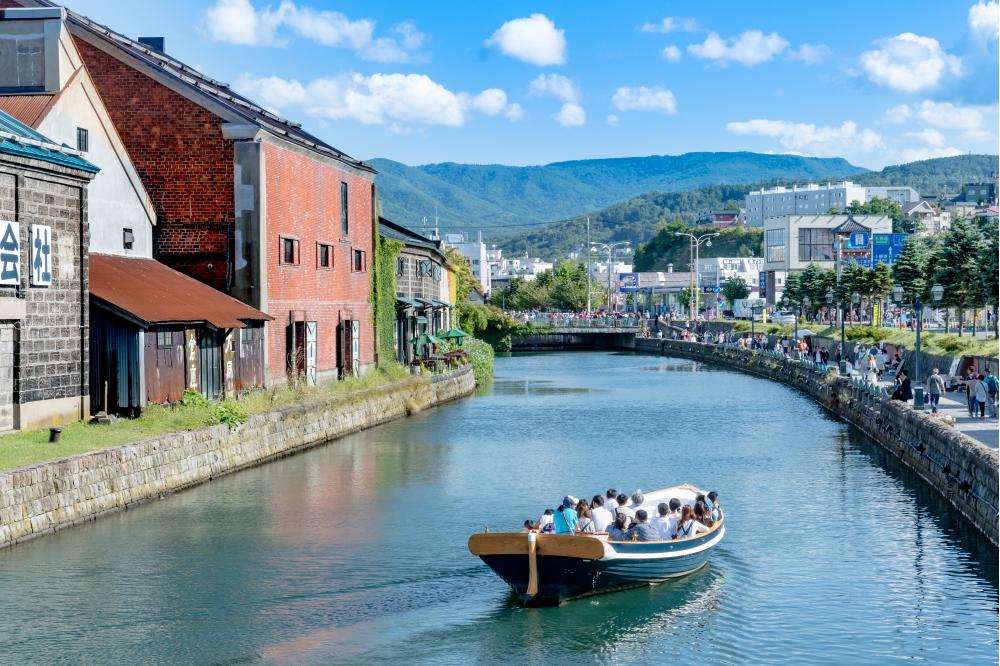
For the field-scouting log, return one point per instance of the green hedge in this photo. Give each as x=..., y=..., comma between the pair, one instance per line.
x=482, y=357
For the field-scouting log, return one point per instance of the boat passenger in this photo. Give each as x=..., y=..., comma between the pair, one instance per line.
x=602, y=517
x=617, y=530
x=666, y=522
x=612, y=499
x=702, y=514
x=544, y=523
x=713, y=505
x=565, y=517
x=637, y=499
x=528, y=526
x=623, y=508
x=584, y=518
x=687, y=526
x=642, y=530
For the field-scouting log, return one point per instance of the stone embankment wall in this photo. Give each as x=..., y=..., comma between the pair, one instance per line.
x=43, y=498
x=963, y=470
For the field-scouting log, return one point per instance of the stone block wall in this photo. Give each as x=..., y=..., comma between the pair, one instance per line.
x=43, y=498
x=962, y=470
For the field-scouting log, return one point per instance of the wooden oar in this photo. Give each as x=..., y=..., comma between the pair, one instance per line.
x=532, y=566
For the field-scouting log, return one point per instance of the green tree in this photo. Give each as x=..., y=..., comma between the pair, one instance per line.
x=989, y=268
x=912, y=267
x=901, y=224
x=734, y=289
x=685, y=299
x=465, y=278
x=814, y=282
x=957, y=268
x=791, y=293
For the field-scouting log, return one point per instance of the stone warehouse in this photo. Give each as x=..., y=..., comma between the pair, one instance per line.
x=43, y=279
x=245, y=201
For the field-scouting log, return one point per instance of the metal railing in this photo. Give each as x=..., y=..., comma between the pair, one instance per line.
x=572, y=321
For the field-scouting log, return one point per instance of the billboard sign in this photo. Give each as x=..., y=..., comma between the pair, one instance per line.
x=887, y=247
x=628, y=282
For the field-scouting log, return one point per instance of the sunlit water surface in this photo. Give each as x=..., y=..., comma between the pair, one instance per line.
x=355, y=552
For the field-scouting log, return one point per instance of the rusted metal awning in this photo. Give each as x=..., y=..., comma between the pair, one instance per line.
x=148, y=292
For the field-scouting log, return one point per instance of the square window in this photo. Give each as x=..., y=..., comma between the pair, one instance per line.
x=359, y=261
x=82, y=140
x=289, y=249
x=164, y=339
x=128, y=239
x=324, y=256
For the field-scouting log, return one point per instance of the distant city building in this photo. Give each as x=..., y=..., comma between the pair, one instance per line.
x=721, y=219
x=932, y=220
x=475, y=252
x=813, y=199
x=983, y=194
x=718, y=270
x=792, y=242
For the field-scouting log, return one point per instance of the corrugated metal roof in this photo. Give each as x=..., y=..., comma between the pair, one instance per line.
x=18, y=139
x=153, y=293
x=29, y=109
x=389, y=229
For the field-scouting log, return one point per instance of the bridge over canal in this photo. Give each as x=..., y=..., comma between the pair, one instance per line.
x=572, y=333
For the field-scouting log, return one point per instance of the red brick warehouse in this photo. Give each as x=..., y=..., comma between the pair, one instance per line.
x=247, y=202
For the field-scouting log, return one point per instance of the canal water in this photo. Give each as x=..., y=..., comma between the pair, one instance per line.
x=355, y=552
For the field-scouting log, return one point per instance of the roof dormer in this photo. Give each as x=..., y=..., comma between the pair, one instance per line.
x=30, y=59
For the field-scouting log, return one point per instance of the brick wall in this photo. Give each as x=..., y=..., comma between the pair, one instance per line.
x=303, y=201
x=185, y=164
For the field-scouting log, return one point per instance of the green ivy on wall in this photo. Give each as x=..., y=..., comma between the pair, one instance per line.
x=384, y=298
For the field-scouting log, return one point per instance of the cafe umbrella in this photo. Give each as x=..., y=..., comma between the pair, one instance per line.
x=455, y=334
x=424, y=339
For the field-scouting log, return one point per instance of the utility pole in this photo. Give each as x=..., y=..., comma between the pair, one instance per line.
x=696, y=242
x=588, y=266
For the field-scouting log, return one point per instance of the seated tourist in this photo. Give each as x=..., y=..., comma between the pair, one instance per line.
x=584, y=518
x=666, y=522
x=637, y=499
x=642, y=530
x=611, y=500
x=617, y=530
x=624, y=509
x=701, y=513
x=713, y=505
x=528, y=526
x=565, y=516
x=687, y=526
x=544, y=523
x=602, y=517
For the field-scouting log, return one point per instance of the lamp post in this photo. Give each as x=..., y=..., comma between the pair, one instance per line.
x=696, y=242
x=937, y=293
x=610, y=249
x=806, y=302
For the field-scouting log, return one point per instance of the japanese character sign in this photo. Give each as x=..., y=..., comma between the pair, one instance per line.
x=10, y=253
x=41, y=255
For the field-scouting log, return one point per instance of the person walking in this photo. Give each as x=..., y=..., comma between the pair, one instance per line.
x=979, y=394
x=970, y=393
x=992, y=389
x=935, y=387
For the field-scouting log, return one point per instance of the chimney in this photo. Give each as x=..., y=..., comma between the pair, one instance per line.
x=155, y=43
x=670, y=268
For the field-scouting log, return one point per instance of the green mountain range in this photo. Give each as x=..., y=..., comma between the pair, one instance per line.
x=637, y=219
x=498, y=199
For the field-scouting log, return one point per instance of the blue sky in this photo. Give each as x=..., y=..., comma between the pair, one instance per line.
x=530, y=83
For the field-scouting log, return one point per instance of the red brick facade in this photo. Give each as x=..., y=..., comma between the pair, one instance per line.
x=185, y=163
x=303, y=203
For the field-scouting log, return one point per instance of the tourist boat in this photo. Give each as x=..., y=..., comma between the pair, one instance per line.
x=547, y=569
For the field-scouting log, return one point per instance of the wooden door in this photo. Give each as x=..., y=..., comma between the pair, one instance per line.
x=310, y=352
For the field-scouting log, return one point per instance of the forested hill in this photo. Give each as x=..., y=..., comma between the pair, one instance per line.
x=495, y=198
x=637, y=219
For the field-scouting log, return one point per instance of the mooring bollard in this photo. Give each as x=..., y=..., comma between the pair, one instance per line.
x=54, y=435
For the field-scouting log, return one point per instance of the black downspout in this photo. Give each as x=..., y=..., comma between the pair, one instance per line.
x=84, y=279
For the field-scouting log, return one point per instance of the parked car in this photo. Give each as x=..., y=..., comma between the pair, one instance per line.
x=783, y=317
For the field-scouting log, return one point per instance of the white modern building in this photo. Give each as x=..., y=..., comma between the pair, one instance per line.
x=792, y=242
x=475, y=251
x=717, y=270
x=932, y=220
x=813, y=199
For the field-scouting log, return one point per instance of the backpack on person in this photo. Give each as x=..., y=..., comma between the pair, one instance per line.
x=992, y=384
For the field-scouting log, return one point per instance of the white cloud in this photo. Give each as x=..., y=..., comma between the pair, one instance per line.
x=927, y=153
x=898, y=114
x=929, y=137
x=984, y=19
x=514, y=112
x=748, y=48
x=670, y=24
x=238, y=22
x=645, y=99
x=379, y=99
x=952, y=116
x=571, y=115
x=534, y=40
x=810, y=54
x=613, y=120
x=909, y=63
x=672, y=53
x=809, y=139
x=555, y=85
x=979, y=136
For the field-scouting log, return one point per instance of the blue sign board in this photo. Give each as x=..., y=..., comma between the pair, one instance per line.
x=857, y=240
x=628, y=282
x=762, y=281
x=886, y=247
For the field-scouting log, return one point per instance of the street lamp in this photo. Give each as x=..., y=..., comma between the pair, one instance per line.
x=610, y=249
x=937, y=293
x=695, y=246
x=806, y=302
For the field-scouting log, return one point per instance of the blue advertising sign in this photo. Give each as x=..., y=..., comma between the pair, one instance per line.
x=628, y=282
x=857, y=240
x=762, y=282
x=887, y=247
